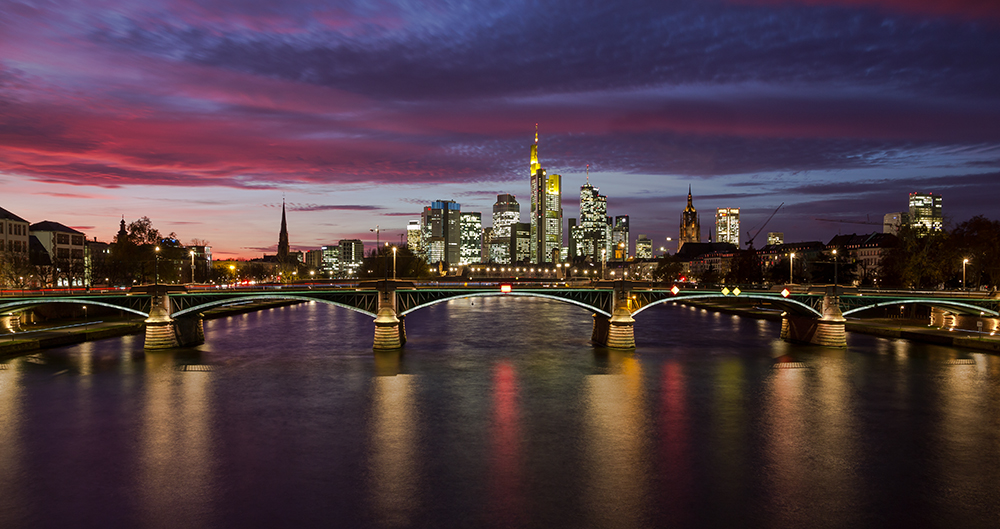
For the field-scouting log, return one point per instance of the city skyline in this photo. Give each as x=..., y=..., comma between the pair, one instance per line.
x=205, y=118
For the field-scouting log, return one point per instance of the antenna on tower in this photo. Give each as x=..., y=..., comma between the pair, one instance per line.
x=588, y=174
x=536, y=133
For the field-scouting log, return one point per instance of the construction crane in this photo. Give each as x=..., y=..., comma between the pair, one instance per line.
x=750, y=242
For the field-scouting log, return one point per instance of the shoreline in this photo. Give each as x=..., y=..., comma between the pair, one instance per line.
x=19, y=344
x=904, y=329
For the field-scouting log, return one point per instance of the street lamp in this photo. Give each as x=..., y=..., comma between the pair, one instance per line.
x=394, y=263
x=835, y=271
x=964, y=262
x=156, y=267
x=192, y=266
x=791, y=268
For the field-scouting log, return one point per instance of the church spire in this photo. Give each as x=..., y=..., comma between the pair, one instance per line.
x=283, y=236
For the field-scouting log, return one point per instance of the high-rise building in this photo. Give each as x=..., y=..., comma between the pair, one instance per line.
x=727, y=225
x=643, y=247
x=619, y=237
x=352, y=254
x=413, y=238
x=520, y=242
x=546, y=210
x=925, y=213
x=690, y=224
x=571, y=229
x=314, y=259
x=775, y=237
x=891, y=222
x=506, y=212
x=331, y=260
x=471, y=249
x=443, y=231
x=592, y=238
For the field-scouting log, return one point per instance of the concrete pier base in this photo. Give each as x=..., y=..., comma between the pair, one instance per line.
x=160, y=332
x=190, y=330
x=388, y=330
x=828, y=331
x=616, y=332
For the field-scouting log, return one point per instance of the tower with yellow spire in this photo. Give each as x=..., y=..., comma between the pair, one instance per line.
x=546, y=211
x=690, y=225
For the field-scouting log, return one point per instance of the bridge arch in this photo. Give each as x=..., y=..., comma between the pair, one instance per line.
x=797, y=305
x=965, y=307
x=264, y=297
x=463, y=295
x=27, y=303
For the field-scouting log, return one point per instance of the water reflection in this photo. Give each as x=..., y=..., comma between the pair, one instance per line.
x=616, y=433
x=675, y=442
x=393, y=466
x=506, y=451
x=10, y=443
x=176, y=456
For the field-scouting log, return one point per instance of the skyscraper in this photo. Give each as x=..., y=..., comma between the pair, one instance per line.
x=593, y=222
x=506, y=212
x=413, y=238
x=643, y=247
x=619, y=237
x=690, y=224
x=352, y=254
x=727, y=225
x=926, y=213
x=546, y=210
x=443, y=231
x=471, y=248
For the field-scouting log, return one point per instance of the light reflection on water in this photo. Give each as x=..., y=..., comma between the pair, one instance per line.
x=499, y=413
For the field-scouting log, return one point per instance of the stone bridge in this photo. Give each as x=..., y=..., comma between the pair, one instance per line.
x=173, y=314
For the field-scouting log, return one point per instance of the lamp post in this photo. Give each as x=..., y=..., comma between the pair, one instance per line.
x=669, y=239
x=835, y=270
x=156, y=267
x=791, y=268
x=192, y=266
x=964, y=262
x=604, y=263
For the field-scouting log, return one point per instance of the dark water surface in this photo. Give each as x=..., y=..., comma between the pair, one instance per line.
x=499, y=414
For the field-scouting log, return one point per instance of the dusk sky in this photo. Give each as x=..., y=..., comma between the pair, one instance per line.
x=203, y=114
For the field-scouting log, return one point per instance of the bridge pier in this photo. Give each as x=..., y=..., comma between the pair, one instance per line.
x=616, y=332
x=160, y=331
x=829, y=330
x=389, y=330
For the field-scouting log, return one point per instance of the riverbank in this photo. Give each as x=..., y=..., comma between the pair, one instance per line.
x=901, y=329
x=71, y=332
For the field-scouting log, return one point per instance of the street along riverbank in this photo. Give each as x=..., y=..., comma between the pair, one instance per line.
x=59, y=333
x=906, y=329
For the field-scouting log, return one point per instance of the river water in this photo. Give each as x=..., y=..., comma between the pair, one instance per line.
x=499, y=414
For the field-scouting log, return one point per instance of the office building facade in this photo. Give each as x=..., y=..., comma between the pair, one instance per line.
x=727, y=225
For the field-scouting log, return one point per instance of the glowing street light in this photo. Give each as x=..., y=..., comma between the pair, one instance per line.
x=964, y=262
x=192, y=265
x=394, y=263
x=156, y=267
x=791, y=267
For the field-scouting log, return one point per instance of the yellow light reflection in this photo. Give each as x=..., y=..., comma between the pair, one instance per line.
x=393, y=468
x=10, y=441
x=615, y=425
x=175, y=483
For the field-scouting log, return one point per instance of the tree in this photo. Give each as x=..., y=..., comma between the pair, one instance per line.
x=978, y=240
x=920, y=260
x=378, y=264
x=668, y=270
x=745, y=268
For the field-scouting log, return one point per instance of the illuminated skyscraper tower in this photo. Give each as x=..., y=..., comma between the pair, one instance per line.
x=506, y=212
x=546, y=210
x=593, y=222
x=727, y=225
x=925, y=213
x=690, y=224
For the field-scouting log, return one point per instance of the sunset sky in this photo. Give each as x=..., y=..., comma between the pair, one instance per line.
x=203, y=114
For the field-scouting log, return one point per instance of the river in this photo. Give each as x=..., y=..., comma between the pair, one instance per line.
x=499, y=413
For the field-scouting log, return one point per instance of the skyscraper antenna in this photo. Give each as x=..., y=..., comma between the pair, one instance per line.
x=536, y=133
x=588, y=174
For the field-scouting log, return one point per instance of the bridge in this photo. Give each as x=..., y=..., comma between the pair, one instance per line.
x=173, y=314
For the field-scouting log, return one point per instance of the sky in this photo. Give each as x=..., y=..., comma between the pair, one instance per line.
x=205, y=114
